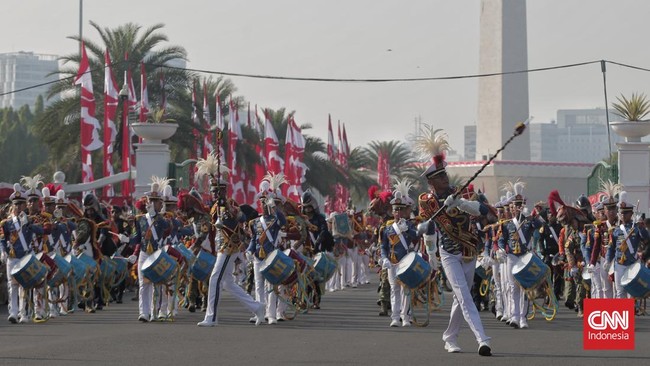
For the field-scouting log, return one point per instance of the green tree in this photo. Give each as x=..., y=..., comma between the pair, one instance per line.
x=17, y=142
x=146, y=45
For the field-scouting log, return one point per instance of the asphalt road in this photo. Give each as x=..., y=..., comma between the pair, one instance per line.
x=345, y=331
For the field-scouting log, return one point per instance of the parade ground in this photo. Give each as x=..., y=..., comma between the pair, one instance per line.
x=345, y=331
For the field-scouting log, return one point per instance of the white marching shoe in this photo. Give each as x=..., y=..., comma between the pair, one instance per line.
x=452, y=347
x=394, y=323
x=206, y=323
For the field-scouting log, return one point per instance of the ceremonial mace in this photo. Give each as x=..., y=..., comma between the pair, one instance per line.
x=519, y=129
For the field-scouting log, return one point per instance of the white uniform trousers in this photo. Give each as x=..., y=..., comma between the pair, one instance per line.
x=517, y=300
x=596, y=282
x=363, y=268
x=258, y=280
x=619, y=269
x=145, y=295
x=498, y=291
x=222, y=278
x=505, y=289
x=460, y=275
x=275, y=307
x=605, y=282
x=399, y=300
x=343, y=271
x=16, y=292
x=354, y=267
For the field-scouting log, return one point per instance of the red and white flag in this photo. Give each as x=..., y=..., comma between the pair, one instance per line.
x=208, y=147
x=295, y=168
x=236, y=188
x=144, y=95
x=128, y=153
x=332, y=154
x=274, y=162
x=383, y=171
x=90, y=126
x=260, y=170
x=111, y=96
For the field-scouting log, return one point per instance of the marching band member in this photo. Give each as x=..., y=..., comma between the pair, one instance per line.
x=64, y=229
x=18, y=231
x=398, y=238
x=516, y=239
x=380, y=211
x=569, y=240
x=458, y=246
x=229, y=221
x=265, y=238
x=625, y=242
x=609, y=220
x=319, y=238
x=151, y=232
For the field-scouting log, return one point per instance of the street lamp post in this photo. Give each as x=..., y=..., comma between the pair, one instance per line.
x=126, y=137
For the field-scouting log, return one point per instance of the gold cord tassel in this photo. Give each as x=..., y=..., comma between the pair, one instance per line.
x=262, y=252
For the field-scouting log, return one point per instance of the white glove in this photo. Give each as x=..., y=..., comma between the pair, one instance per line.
x=123, y=238
x=402, y=225
x=590, y=268
x=385, y=263
x=23, y=219
x=3, y=257
x=151, y=210
x=451, y=202
x=132, y=258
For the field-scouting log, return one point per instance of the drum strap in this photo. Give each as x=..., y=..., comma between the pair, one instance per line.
x=553, y=233
x=401, y=237
x=522, y=238
x=627, y=238
x=266, y=230
x=18, y=228
x=154, y=234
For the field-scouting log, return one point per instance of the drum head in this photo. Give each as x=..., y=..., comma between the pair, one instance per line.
x=21, y=264
x=522, y=262
x=630, y=273
x=405, y=263
x=151, y=259
x=269, y=259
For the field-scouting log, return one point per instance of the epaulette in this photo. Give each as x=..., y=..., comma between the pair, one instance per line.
x=389, y=222
x=2, y=223
x=46, y=215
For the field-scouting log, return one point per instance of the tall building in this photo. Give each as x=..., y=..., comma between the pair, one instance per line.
x=20, y=70
x=470, y=143
x=503, y=99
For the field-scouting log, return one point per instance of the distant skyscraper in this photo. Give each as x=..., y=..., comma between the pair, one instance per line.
x=503, y=100
x=20, y=70
x=470, y=143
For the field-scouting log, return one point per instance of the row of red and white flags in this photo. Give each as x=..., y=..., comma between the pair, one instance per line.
x=242, y=186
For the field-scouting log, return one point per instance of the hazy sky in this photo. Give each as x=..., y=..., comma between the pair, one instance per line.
x=365, y=39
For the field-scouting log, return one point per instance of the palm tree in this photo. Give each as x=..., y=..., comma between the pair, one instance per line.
x=146, y=45
x=360, y=176
x=321, y=174
x=400, y=158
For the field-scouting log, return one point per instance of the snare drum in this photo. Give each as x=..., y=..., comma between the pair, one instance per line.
x=325, y=266
x=277, y=267
x=106, y=269
x=63, y=271
x=530, y=271
x=29, y=272
x=159, y=267
x=635, y=280
x=52, y=268
x=89, y=262
x=78, y=267
x=202, y=266
x=413, y=270
x=121, y=268
x=341, y=226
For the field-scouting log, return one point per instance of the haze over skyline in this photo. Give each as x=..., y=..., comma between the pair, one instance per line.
x=366, y=40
